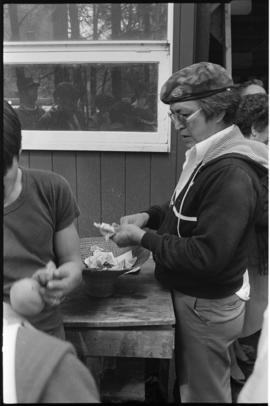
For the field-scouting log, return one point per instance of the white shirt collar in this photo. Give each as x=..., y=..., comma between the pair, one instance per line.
x=202, y=147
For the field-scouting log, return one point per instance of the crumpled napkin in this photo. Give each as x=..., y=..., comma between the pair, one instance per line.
x=102, y=260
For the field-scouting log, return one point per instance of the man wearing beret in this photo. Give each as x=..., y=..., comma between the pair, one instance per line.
x=201, y=235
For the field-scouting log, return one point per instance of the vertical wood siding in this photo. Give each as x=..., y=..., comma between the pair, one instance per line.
x=108, y=185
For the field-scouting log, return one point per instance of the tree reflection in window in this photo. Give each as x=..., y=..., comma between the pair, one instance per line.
x=97, y=97
x=92, y=21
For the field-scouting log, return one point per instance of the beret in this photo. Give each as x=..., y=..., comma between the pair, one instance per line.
x=195, y=81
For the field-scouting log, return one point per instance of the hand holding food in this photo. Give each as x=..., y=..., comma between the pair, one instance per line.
x=138, y=219
x=105, y=229
x=25, y=297
x=66, y=277
x=44, y=275
x=128, y=234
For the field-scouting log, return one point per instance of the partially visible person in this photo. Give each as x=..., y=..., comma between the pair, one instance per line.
x=39, y=368
x=256, y=388
x=252, y=117
x=39, y=229
x=252, y=86
x=201, y=240
x=29, y=111
x=64, y=114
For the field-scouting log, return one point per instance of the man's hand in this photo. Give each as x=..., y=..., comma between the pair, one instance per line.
x=138, y=219
x=65, y=279
x=128, y=234
x=44, y=275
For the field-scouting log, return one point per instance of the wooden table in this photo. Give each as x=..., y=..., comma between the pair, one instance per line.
x=137, y=321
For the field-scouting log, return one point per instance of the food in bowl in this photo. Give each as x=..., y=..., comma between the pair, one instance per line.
x=105, y=260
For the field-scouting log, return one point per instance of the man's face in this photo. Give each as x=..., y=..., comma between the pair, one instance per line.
x=189, y=119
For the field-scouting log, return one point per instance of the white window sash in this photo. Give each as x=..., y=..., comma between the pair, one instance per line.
x=55, y=52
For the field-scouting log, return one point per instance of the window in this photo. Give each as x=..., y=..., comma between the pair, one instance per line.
x=88, y=76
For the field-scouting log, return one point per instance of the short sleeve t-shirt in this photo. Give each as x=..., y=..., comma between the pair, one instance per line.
x=45, y=205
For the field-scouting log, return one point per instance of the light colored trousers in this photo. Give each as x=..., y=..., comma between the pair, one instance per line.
x=205, y=328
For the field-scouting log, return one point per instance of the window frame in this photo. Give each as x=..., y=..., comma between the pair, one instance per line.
x=53, y=52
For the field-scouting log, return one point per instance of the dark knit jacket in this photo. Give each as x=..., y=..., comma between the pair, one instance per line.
x=219, y=211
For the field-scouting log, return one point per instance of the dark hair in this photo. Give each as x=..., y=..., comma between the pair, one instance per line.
x=12, y=136
x=245, y=85
x=252, y=111
x=253, y=81
x=227, y=101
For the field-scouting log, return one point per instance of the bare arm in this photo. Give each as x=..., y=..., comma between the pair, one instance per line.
x=68, y=273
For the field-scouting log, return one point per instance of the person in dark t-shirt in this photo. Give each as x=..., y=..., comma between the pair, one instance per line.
x=39, y=214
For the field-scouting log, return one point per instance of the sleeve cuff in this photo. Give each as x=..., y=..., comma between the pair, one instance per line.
x=150, y=240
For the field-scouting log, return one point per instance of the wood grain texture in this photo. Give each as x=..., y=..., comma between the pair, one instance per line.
x=137, y=182
x=138, y=300
x=112, y=186
x=88, y=192
x=162, y=177
x=186, y=35
x=24, y=159
x=41, y=160
x=138, y=343
x=64, y=163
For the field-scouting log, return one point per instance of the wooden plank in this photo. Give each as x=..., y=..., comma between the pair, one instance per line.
x=137, y=182
x=112, y=186
x=163, y=166
x=227, y=38
x=181, y=150
x=138, y=300
x=163, y=175
x=41, y=160
x=187, y=28
x=88, y=192
x=183, y=55
x=24, y=159
x=64, y=163
x=138, y=343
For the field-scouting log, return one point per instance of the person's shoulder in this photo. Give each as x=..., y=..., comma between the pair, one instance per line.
x=44, y=177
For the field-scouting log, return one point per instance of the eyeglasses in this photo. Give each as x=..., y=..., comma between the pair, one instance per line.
x=182, y=118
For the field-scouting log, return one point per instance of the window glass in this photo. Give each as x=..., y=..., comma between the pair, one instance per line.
x=85, y=96
x=92, y=21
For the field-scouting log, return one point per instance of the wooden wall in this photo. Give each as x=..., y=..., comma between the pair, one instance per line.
x=108, y=185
